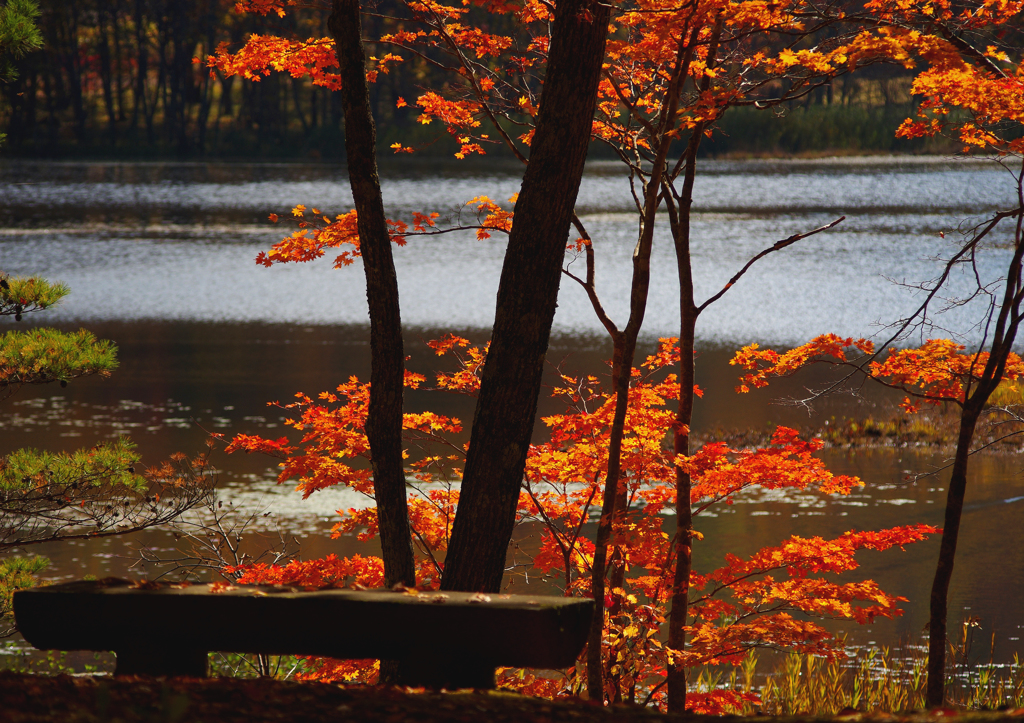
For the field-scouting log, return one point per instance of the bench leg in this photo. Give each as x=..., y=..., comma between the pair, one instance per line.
x=448, y=674
x=161, y=661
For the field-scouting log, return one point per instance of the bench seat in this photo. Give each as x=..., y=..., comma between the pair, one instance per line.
x=452, y=640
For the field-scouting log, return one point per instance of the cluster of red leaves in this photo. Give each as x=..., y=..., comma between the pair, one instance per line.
x=937, y=371
x=317, y=232
x=495, y=60
x=765, y=363
x=263, y=54
x=644, y=47
x=327, y=572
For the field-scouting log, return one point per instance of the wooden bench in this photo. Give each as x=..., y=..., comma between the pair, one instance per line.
x=450, y=640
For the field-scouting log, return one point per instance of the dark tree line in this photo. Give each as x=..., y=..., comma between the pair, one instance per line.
x=128, y=77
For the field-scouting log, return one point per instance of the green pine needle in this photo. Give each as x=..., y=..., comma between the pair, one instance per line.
x=110, y=464
x=18, y=35
x=40, y=356
x=23, y=295
x=16, y=573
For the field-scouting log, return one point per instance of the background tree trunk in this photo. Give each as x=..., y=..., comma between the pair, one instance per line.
x=527, y=296
x=387, y=363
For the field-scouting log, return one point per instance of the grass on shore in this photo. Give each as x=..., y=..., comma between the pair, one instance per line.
x=869, y=681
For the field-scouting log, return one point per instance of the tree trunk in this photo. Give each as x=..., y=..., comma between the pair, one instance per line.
x=141, y=67
x=115, y=15
x=947, y=554
x=682, y=551
x=179, y=78
x=527, y=296
x=67, y=28
x=387, y=365
x=682, y=542
x=106, y=70
x=205, y=87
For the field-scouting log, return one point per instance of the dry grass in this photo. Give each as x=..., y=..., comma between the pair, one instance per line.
x=872, y=681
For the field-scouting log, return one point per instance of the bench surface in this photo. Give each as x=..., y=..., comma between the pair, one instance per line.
x=439, y=639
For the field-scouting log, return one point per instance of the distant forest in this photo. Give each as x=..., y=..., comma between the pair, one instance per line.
x=128, y=79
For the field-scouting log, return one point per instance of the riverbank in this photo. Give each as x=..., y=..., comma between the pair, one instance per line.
x=935, y=432
x=39, y=699
x=816, y=129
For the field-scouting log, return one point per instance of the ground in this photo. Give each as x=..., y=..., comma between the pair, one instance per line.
x=82, y=699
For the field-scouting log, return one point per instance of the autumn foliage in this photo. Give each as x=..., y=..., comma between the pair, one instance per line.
x=940, y=370
x=770, y=599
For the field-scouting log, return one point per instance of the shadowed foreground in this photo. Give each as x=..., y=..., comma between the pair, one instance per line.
x=31, y=698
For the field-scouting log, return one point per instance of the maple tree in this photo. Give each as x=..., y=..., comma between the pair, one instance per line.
x=727, y=69
x=973, y=89
x=671, y=74
x=939, y=371
x=643, y=111
x=674, y=72
x=387, y=359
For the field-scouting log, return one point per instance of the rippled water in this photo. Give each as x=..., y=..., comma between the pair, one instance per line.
x=177, y=242
x=160, y=259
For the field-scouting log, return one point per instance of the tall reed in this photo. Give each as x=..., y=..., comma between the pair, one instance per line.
x=871, y=680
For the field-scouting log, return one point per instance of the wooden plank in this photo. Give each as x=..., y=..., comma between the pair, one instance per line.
x=439, y=639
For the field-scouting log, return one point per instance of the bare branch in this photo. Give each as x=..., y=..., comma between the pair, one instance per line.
x=777, y=246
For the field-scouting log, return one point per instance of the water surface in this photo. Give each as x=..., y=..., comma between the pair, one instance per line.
x=177, y=242
x=160, y=259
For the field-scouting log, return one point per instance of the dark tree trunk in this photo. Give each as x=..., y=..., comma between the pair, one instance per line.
x=205, y=86
x=527, y=296
x=118, y=60
x=106, y=70
x=179, y=77
x=52, y=123
x=947, y=555
x=384, y=423
x=164, y=80
x=682, y=542
x=225, y=107
x=141, y=67
x=67, y=42
x=297, y=99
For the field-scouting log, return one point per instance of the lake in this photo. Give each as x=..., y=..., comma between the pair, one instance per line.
x=159, y=257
